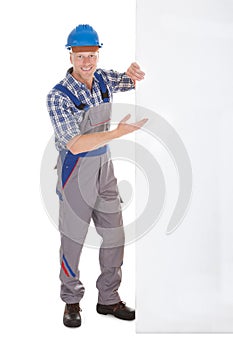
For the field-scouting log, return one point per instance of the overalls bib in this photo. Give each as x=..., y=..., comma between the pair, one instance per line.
x=87, y=189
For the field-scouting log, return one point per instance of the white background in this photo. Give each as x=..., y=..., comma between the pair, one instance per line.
x=33, y=59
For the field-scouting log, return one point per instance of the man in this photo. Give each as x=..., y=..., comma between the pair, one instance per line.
x=80, y=111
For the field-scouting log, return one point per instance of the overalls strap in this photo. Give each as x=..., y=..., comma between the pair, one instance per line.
x=73, y=98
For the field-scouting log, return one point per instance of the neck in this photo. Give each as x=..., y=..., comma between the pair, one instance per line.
x=88, y=82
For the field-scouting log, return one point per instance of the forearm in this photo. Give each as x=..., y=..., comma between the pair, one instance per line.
x=89, y=142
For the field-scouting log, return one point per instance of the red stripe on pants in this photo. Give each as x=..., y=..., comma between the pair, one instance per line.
x=64, y=269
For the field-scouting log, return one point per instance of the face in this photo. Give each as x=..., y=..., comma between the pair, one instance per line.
x=84, y=65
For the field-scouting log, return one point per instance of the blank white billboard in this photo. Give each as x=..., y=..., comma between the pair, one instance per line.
x=184, y=272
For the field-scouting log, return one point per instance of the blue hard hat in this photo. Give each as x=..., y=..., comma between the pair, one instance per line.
x=83, y=35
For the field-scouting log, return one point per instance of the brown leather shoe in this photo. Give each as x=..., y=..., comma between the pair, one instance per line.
x=72, y=317
x=119, y=310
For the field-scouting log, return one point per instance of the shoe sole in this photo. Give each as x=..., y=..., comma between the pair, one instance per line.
x=117, y=316
x=72, y=324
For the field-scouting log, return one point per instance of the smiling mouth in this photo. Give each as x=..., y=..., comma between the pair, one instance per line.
x=86, y=69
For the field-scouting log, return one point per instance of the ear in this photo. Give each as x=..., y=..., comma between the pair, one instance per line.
x=71, y=58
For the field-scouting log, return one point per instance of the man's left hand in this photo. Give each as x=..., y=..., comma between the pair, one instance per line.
x=134, y=72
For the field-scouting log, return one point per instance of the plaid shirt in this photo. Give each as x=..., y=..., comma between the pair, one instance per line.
x=65, y=117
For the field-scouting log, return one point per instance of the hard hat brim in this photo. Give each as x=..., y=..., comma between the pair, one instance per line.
x=83, y=48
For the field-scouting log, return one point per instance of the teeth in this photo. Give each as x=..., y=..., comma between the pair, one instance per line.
x=86, y=69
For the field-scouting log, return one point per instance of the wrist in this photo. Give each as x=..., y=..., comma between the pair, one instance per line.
x=114, y=133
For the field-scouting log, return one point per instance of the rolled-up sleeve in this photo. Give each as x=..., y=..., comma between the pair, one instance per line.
x=65, y=120
x=118, y=82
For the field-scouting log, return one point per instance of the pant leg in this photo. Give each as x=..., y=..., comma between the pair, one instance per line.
x=73, y=232
x=72, y=289
x=110, y=259
x=74, y=219
x=108, y=221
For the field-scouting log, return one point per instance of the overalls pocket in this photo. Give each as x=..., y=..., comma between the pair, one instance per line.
x=100, y=114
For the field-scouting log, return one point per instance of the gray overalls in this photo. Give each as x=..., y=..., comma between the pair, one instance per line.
x=87, y=188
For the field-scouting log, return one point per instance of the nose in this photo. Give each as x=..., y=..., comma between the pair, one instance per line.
x=86, y=59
